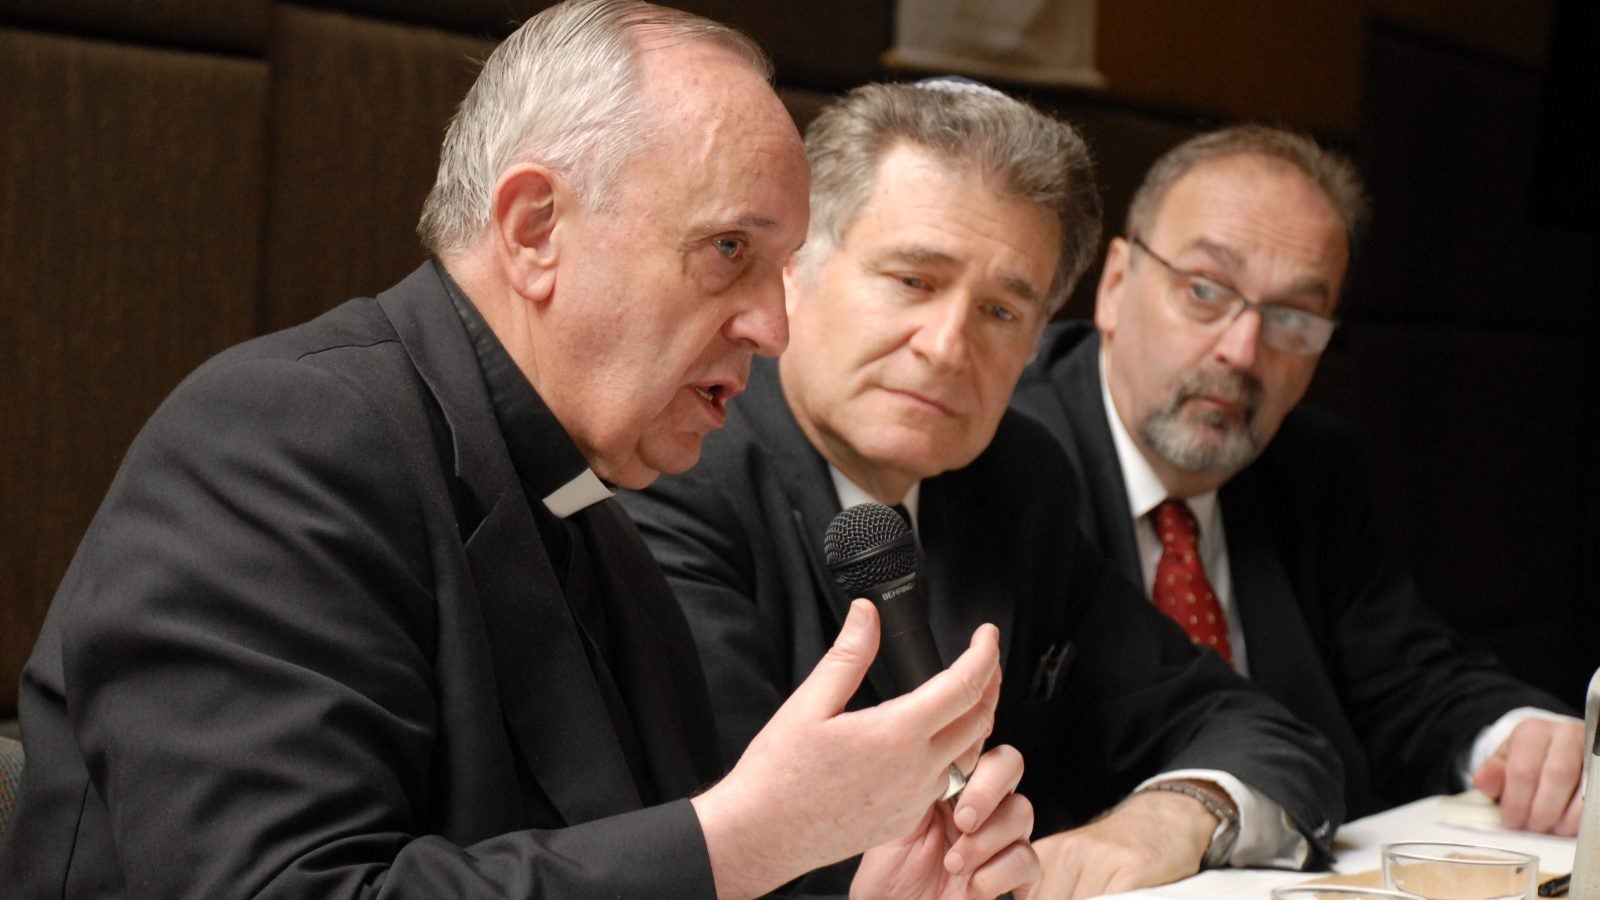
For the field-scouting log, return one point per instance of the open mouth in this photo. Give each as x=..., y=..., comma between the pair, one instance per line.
x=717, y=395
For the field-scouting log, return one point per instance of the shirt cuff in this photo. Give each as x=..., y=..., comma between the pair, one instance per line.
x=1490, y=739
x=1267, y=837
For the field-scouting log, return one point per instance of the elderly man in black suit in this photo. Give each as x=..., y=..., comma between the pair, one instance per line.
x=1179, y=417
x=359, y=617
x=948, y=222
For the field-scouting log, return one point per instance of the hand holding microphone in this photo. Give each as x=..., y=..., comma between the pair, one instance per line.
x=838, y=781
x=873, y=554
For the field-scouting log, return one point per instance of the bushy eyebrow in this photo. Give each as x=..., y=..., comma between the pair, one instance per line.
x=917, y=254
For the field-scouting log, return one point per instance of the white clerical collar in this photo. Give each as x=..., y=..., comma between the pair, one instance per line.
x=1144, y=487
x=850, y=494
x=583, y=491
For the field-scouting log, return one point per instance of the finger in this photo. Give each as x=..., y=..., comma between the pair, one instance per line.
x=962, y=740
x=967, y=760
x=963, y=711
x=1559, y=777
x=958, y=690
x=1568, y=827
x=1524, y=758
x=838, y=675
x=1012, y=821
x=1015, y=869
x=993, y=780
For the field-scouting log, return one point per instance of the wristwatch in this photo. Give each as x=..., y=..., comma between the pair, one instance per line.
x=1227, y=833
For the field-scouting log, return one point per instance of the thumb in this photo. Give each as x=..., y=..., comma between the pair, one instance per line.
x=838, y=674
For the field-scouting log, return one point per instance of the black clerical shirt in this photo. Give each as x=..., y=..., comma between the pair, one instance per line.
x=546, y=461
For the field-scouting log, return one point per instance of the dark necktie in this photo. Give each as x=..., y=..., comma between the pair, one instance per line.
x=1182, y=590
x=900, y=509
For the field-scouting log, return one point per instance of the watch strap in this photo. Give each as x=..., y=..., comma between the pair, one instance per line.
x=1227, y=830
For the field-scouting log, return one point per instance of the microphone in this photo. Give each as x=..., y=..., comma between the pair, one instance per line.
x=873, y=554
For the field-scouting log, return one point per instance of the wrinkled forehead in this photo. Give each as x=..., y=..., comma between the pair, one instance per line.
x=1251, y=210
x=701, y=92
x=715, y=131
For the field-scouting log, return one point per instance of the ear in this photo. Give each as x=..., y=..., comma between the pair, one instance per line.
x=791, y=283
x=1113, y=279
x=527, y=203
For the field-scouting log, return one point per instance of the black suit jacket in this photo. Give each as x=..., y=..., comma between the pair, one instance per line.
x=311, y=646
x=1333, y=628
x=740, y=538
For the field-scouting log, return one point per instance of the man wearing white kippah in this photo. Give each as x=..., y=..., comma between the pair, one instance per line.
x=948, y=222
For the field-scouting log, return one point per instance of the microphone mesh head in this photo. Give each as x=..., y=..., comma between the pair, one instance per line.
x=864, y=528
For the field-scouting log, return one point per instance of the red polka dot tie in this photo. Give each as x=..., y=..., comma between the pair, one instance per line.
x=1182, y=590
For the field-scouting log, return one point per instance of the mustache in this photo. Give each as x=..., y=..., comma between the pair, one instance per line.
x=1226, y=385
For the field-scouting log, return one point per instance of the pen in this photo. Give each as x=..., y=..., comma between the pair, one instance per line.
x=1555, y=887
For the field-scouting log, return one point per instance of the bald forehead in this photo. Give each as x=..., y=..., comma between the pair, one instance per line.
x=1234, y=210
x=1246, y=172
x=1251, y=184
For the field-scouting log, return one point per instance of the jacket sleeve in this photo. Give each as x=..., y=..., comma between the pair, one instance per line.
x=248, y=666
x=1415, y=693
x=1139, y=699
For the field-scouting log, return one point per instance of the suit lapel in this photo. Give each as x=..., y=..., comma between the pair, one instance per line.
x=1277, y=633
x=1094, y=453
x=1262, y=593
x=961, y=578
x=809, y=489
x=654, y=663
x=548, y=694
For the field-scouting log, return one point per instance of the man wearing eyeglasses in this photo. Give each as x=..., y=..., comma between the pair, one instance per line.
x=1212, y=311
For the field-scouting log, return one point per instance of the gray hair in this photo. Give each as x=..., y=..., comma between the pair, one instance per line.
x=563, y=90
x=1330, y=171
x=1023, y=153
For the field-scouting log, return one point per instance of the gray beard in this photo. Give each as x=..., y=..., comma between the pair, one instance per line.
x=1206, y=443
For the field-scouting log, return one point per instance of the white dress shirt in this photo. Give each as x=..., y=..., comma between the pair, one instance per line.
x=1145, y=492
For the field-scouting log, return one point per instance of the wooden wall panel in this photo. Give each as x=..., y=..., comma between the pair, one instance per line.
x=1451, y=160
x=131, y=184
x=1296, y=63
x=220, y=25
x=358, y=110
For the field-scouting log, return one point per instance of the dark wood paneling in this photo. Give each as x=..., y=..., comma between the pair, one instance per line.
x=359, y=108
x=238, y=26
x=1449, y=149
x=493, y=19
x=131, y=182
x=833, y=46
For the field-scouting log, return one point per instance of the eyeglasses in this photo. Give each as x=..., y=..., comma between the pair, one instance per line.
x=1208, y=301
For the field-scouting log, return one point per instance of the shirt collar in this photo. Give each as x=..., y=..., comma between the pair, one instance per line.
x=584, y=490
x=850, y=494
x=1144, y=487
x=548, y=463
